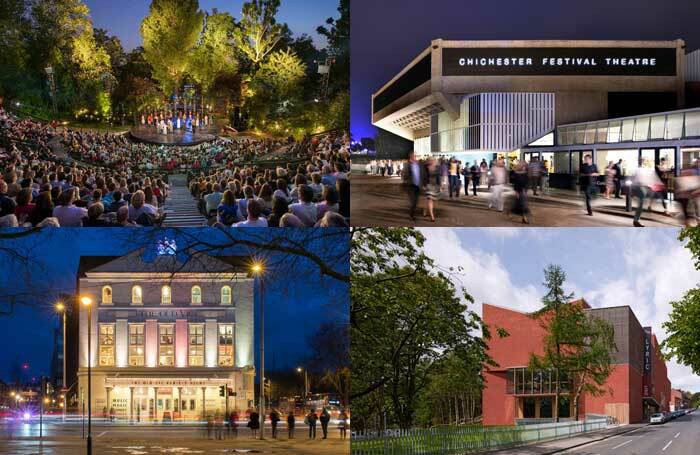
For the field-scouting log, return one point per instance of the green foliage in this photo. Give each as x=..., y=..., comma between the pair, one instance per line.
x=576, y=345
x=214, y=57
x=683, y=329
x=258, y=32
x=170, y=33
x=407, y=320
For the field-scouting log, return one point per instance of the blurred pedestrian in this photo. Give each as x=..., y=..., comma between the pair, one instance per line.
x=274, y=419
x=432, y=187
x=311, y=419
x=343, y=418
x=412, y=177
x=609, y=179
x=475, y=172
x=325, y=419
x=291, y=422
x=589, y=181
x=497, y=182
x=254, y=423
x=520, y=183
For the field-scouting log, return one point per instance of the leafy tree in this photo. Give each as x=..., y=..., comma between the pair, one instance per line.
x=337, y=32
x=213, y=56
x=258, y=32
x=405, y=319
x=283, y=71
x=170, y=33
x=576, y=346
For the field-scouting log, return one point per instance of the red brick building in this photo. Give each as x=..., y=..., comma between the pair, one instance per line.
x=637, y=387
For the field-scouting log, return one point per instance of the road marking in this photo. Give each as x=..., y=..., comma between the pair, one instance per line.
x=677, y=434
x=620, y=445
x=102, y=434
x=666, y=446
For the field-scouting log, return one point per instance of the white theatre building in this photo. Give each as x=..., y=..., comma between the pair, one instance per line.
x=166, y=334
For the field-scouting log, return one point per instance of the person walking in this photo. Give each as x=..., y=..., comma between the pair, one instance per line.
x=233, y=423
x=291, y=422
x=609, y=179
x=645, y=179
x=254, y=423
x=325, y=419
x=497, y=183
x=454, y=177
x=274, y=419
x=617, y=180
x=310, y=420
x=589, y=178
x=534, y=173
x=343, y=419
x=412, y=181
x=475, y=171
x=520, y=183
x=432, y=187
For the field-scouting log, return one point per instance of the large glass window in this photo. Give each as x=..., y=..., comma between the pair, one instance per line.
x=564, y=406
x=106, y=295
x=529, y=408
x=602, y=133
x=641, y=129
x=226, y=295
x=560, y=163
x=648, y=157
x=166, y=296
x=136, y=345
x=689, y=155
x=590, y=133
x=628, y=157
x=136, y=295
x=658, y=124
x=225, y=344
x=579, y=134
x=692, y=124
x=674, y=126
x=166, y=352
x=627, y=130
x=614, y=131
x=106, y=343
x=196, y=295
x=668, y=155
x=196, y=345
x=565, y=136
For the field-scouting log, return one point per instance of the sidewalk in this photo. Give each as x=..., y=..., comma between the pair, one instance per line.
x=560, y=445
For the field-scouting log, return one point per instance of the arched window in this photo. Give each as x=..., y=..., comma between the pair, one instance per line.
x=136, y=295
x=106, y=295
x=196, y=295
x=226, y=295
x=166, y=297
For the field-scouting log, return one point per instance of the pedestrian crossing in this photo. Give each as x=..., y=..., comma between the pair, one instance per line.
x=181, y=206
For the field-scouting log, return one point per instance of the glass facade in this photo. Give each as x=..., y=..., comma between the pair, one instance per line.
x=166, y=295
x=106, y=295
x=196, y=345
x=136, y=295
x=523, y=381
x=226, y=295
x=196, y=295
x=676, y=125
x=166, y=350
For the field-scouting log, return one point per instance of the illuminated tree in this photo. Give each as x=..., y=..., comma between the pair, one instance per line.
x=170, y=33
x=213, y=57
x=258, y=32
x=283, y=71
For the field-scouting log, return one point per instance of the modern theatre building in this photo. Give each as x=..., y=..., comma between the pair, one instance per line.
x=555, y=100
x=165, y=335
x=637, y=387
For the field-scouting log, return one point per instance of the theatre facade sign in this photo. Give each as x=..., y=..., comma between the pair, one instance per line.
x=556, y=61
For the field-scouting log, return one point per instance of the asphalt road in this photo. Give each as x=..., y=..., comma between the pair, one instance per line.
x=377, y=201
x=147, y=439
x=677, y=437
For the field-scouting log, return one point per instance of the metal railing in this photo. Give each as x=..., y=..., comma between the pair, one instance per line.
x=461, y=439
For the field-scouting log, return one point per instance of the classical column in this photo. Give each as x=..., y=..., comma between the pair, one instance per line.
x=152, y=411
x=179, y=403
x=108, y=391
x=204, y=403
x=131, y=404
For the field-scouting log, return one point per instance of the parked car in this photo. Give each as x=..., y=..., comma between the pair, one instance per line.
x=657, y=418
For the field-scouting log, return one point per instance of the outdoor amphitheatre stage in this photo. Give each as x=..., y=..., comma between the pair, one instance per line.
x=150, y=135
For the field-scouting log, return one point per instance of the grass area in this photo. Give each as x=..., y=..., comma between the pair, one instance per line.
x=102, y=127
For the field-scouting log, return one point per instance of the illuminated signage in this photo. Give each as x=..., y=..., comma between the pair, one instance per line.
x=555, y=61
x=647, y=352
x=156, y=382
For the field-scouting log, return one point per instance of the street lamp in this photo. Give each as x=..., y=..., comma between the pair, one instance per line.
x=61, y=308
x=87, y=301
x=306, y=381
x=258, y=268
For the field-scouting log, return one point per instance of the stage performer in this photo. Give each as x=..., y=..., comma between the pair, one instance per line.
x=150, y=119
x=143, y=120
x=178, y=122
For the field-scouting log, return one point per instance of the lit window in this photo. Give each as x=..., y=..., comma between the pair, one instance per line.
x=106, y=343
x=136, y=295
x=136, y=351
x=166, y=297
x=196, y=345
x=166, y=350
x=226, y=295
x=196, y=295
x=106, y=295
x=225, y=344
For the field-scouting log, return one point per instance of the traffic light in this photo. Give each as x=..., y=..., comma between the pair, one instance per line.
x=231, y=393
x=222, y=391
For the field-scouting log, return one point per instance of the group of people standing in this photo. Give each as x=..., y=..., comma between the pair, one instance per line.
x=216, y=423
x=166, y=122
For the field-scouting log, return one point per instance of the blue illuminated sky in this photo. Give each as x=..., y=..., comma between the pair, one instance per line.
x=297, y=298
x=123, y=18
x=386, y=35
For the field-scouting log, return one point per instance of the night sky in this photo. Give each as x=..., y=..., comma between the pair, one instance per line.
x=297, y=299
x=387, y=35
x=123, y=18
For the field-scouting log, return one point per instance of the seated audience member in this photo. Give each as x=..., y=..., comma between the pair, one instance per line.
x=67, y=213
x=43, y=208
x=140, y=212
x=255, y=218
x=227, y=211
x=329, y=203
x=279, y=208
x=117, y=202
x=7, y=204
x=332, y=219
x=123, y=217
x=212, y=200
x=25, y=208
x=94, y=218
x=290, y=220
x=305, y=209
